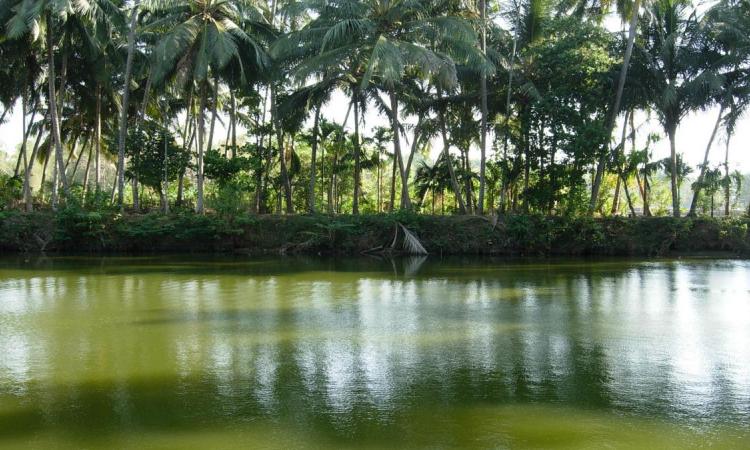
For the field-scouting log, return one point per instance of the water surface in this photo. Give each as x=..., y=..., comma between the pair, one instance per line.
x=312, y=353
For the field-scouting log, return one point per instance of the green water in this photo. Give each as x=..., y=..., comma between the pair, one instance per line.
x=305, y=353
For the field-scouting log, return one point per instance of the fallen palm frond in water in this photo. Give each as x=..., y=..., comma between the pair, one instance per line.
x=410, y=244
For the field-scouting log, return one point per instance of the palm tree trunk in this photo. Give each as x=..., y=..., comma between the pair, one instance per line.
x=98, y=137
x=282, y=155
x=355, y=200
x=165, y=190
x=483, y=95
x=53, y=110
x=26, y=165
x=201, y=132
x=29, y=172
x=146, y=93
x=379, y=181
x=71, y=152
x=313, y=160
x=55, y=191
x=180, y=187
x=505, y=183
x=627, y=194
x=632, y=31
x=671, y=132
x=44, y=171
x=234, y=123
x=78, y=162
x=393, y=184
x=405, y=202
x=726, y=174
x=86, y=172
x=286, y=185
x=467, y=181
x=26, y=130
x=704, y=166
x=122, y=126
x=209, y=145
x=620, y=151
x=414, y=145
x=447, y=156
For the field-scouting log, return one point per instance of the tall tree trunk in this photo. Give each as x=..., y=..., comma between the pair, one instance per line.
x=138, y=120
x=28, y=199
x=78, y=162
x=144, y=104
x=646, y=196
x=505, y=183
x=44, y=171
x=214, y=107
x=71, y=152
x=52, y=99
x=98, y=138
x=26, y=165
x=467, y=181
x=165, y=189
x=355, y=200
x=632, y=31
x=620, y=151
x=123, y=122
x=55, y=189
x=627, y=194
x=233, y=118
x=414, y=145
x=394, y=164
x=379, y=176
x=201, y=132
x=671, y=132
x=313, y=160
x=86, y=172
x=726, y=174
x=180, y=187
x=405, y=201
x=704, y=166
x=447, y=156
x=26, y=130
x=483, y=94
x=286, y=185
x=616, y=198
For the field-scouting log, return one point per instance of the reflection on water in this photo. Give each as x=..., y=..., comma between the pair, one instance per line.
x=422, y=353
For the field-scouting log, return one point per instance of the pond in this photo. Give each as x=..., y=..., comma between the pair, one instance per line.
x=189, y=352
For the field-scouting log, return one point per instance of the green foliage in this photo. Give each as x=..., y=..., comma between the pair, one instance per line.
x=11, y=191
x=153, y=156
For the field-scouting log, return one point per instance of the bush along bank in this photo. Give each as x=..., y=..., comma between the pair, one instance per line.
x=80, y=231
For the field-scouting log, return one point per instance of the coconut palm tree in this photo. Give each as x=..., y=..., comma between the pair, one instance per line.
x=202, y=37
x=629, y=11
x=49, y=18
x=379, y=42
x=677, y=71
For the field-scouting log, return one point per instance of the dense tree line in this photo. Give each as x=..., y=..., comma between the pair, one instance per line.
x=122, y=103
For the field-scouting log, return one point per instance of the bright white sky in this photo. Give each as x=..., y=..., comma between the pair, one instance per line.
x=692, y=136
